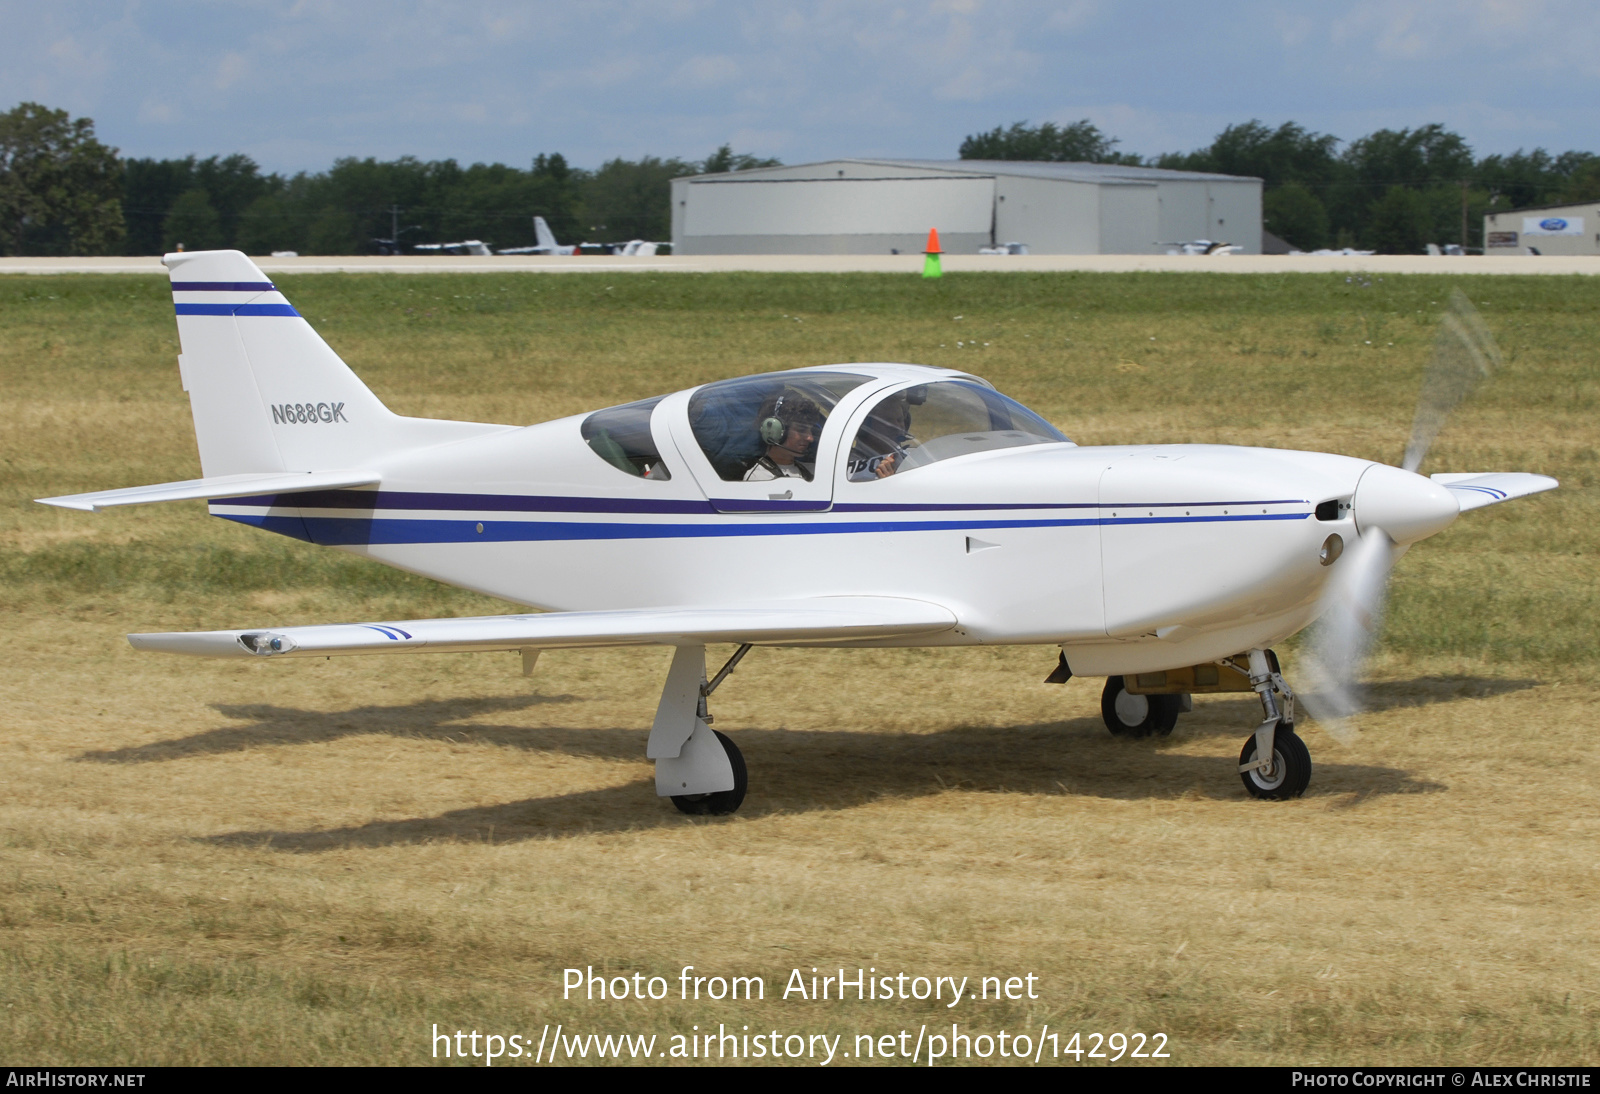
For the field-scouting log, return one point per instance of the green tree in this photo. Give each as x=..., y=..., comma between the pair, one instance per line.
x=149, y=187
x=1293, y=213
x=1401, y=223
x=1080, y=142
x=723, y=160
x=558, y=197
x=628, y=199
x=1583, y=184
x=1421, y=157
x=1287, y=154
x=193, y=223
x=267, y=225
x=60, y=188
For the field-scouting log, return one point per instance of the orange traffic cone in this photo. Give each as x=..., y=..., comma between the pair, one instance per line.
x=930, y=261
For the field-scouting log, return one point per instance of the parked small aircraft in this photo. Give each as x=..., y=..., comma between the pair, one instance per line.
x=743, y=511
x=464, y=247
x=547, y=244
x=1202, y=247
x=636, y=247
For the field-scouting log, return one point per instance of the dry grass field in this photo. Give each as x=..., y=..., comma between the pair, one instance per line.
x=315, y=862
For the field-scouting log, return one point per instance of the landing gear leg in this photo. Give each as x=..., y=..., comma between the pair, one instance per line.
x=1274, y=763
x=702, y=771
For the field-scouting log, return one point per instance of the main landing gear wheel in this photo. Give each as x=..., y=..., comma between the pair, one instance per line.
x=1130, y=715
x=1290, y=772
x=723, y=802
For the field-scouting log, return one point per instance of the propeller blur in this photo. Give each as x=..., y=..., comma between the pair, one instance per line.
x=740, y=512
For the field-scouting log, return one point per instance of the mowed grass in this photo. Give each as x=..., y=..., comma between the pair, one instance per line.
x=315, y=862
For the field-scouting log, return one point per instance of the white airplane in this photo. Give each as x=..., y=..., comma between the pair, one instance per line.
x=547, y=244
x=464, y=247
x=1202, y=247
x=847, y=505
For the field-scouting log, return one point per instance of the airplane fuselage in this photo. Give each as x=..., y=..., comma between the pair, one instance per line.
x=1133, y=557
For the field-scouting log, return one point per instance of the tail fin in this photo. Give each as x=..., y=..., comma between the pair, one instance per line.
x=267, y=392
x=544, y=235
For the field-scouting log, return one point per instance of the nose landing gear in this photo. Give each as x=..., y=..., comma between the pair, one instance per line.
x=1275, y=763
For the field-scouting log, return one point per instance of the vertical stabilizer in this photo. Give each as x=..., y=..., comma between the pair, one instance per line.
x=267, y=393
x=545, y=236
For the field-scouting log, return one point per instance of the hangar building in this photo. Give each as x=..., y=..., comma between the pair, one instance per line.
x=856, y=206
x=1548, y=229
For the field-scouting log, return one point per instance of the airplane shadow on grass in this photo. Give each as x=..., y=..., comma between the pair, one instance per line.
x=805, y=771
x=275, y=725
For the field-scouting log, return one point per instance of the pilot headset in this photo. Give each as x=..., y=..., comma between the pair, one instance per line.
x=773, y=429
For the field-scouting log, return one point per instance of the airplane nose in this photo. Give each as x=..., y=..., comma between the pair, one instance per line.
x=1406, y=506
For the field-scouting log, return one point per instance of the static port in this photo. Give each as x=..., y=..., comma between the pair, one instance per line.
x=1332, y=548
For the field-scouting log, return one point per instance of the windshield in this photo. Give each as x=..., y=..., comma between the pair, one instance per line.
x=766, y=427
x=620, y=435
x=921, y=425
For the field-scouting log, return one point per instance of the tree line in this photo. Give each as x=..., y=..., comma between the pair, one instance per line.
x=63, y=192
x=1393, y=191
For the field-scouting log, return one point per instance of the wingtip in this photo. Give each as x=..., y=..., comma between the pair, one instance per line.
x=69, y=502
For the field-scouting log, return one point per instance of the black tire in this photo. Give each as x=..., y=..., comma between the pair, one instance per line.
x=722, y=802
x=1291, y=767
x=1130, y=715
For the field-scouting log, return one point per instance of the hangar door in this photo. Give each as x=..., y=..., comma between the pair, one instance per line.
x=840, y=207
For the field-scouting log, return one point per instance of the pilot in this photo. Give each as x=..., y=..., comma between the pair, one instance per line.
x=880, y=445
x=788, y=424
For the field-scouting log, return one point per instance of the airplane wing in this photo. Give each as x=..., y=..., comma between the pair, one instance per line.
x=1473, y=490
x=218, y=486
x=779, y=623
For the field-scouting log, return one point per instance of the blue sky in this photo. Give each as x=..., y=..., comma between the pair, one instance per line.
x=297, y=83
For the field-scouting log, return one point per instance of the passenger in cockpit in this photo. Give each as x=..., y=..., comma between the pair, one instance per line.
x=880, y=445
x=788, y=426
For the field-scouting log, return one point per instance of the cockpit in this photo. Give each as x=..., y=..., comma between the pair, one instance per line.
x=922, y=424
x=763, y=425
x=772, y=427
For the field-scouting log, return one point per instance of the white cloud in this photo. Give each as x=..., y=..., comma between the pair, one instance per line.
x=707, y=71
x=231, y=68
x=157, y=112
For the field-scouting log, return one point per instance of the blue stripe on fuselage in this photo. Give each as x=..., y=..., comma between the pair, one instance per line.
x=535, y=503
x=362, y=531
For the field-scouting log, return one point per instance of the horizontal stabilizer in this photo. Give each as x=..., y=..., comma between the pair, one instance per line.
x=1473, y=490
x=788, y=622
x=218, y=486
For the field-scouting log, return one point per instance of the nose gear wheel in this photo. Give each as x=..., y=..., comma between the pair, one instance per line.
x=1290, y=772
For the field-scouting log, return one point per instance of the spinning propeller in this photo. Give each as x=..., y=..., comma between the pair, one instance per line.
x=1393, y=508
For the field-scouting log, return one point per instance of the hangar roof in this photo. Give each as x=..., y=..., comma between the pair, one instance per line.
x=1066, y=172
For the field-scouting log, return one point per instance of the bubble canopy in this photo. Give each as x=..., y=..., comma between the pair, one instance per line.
x=737, y=424
x=923, y=424
x=727, y=416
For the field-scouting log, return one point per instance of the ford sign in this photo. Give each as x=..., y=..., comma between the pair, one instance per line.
x=1552, y=226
